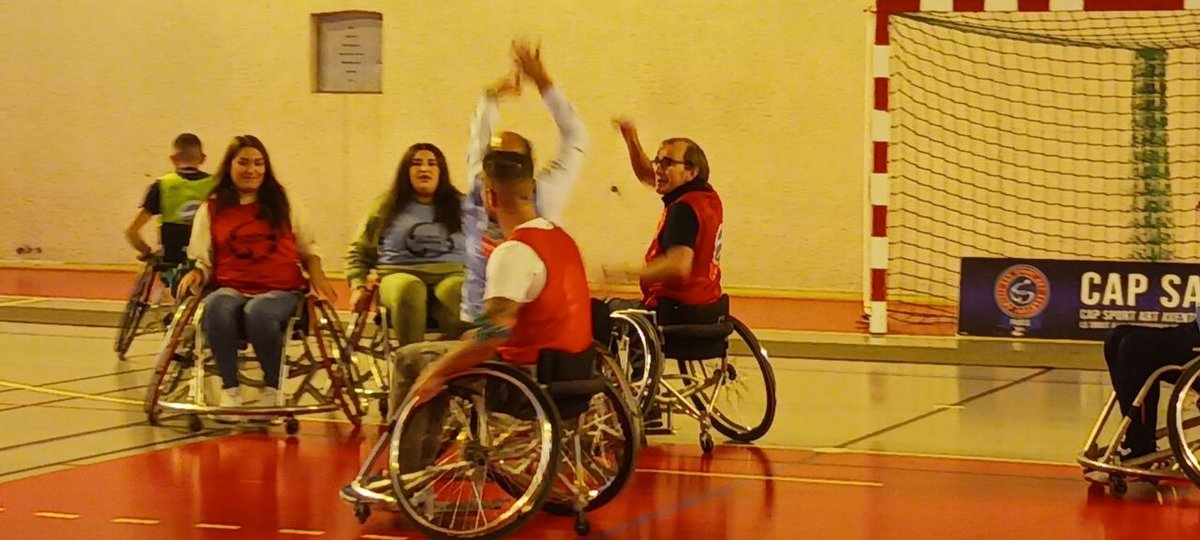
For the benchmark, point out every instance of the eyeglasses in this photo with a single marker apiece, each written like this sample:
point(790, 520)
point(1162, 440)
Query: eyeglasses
point(667, 163)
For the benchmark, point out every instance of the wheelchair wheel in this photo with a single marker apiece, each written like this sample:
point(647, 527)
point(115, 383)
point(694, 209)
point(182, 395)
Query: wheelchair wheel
point(445, 454)
point(135, 309)
point(160, 381)
point(637, 348)
point(335, 352)
point(743, 408)
point(1183, 420)
point(603, 460)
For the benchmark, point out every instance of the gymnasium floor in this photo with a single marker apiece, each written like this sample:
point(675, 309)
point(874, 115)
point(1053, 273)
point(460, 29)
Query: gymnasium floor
point(858, 450)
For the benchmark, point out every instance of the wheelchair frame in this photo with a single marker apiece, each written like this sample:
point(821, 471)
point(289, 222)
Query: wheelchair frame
point(140, 303)
point(561, 442)
point(165, 394)
point(377, 350)
point(1178, 463)
point(653, 387)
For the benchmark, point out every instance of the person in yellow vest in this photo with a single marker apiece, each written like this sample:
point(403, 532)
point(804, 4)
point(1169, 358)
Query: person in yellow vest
point(174, 197)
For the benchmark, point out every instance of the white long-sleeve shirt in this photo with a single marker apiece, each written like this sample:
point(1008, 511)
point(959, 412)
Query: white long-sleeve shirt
point(554, 185)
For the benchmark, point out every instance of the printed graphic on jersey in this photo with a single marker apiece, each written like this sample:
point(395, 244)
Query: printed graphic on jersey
point(187, 210)
point(428, 240)
point(253, 240)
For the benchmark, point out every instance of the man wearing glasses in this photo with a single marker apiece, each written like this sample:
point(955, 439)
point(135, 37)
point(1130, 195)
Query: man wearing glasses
point(683, 261)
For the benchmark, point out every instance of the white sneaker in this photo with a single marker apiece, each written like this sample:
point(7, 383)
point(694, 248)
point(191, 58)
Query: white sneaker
point(230, 397)
point(268, 397)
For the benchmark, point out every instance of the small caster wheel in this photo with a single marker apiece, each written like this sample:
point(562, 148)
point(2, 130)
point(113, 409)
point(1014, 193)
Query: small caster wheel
point(706, 443)
point(582, 526)
point(383, 408)
point(152, 418)
point(195, 424)
point(1117, 486)
point(291, 426)
point(362, 512)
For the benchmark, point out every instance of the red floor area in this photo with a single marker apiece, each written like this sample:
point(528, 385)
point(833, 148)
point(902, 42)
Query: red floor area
point(264, 483)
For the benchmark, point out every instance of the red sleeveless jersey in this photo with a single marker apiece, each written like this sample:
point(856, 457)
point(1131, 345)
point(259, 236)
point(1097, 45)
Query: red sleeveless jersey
point(251, 257)
point(560, 318)
point(703, 285)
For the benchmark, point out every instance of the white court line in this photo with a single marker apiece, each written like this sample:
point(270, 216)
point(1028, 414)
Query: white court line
point(218, 526)
point(793, 479)
point(301, 532)
point(136, 521)
point(56, 515)
point(382, 537)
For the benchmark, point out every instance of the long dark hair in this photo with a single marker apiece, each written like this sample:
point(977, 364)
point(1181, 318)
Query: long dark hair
point(447, 200)
point(272, 199)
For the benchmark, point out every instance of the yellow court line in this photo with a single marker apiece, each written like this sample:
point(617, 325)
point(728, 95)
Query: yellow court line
point(793, 479)
point(56, 515)
point(218, 526)
point(929, 456)
point(136, 521)
point(23, 302)
point(68, 393)
point(301, 532)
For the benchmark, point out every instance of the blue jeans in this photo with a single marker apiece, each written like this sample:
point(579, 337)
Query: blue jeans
point(263, 317)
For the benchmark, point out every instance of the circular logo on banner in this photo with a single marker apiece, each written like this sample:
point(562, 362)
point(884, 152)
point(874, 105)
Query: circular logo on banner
point(1022, 291)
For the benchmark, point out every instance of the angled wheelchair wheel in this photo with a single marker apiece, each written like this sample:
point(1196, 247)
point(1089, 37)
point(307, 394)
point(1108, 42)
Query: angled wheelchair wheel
point(135, 310)
point(635, 344)
point(335, 351)
point(445, 455)
point(166, 375)
point(740, 387)
point(1183, 420)
point(599, 451)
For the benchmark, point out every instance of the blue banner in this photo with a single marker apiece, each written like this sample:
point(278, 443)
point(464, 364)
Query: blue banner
point(1037, 298)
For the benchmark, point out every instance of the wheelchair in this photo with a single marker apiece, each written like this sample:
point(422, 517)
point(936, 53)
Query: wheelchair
point(501, 442)
point(714, 383)
point(143, 301)
point(314, 376)
point(1180, 435)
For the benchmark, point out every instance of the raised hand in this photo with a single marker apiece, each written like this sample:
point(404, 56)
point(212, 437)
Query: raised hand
point(507, 86)
point(529, 61)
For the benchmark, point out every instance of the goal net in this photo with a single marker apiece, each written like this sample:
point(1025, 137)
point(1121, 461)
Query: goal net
point(1052, 135)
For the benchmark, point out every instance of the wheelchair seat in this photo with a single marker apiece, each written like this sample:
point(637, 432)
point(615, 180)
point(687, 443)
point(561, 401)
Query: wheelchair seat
point(695, 332)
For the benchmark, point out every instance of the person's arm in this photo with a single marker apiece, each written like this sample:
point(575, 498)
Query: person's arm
point(558, 178)
point(643, 169)
point(199, 251)
point(151, 206)
point(500, 315)
point(363, 253)
point(310, 255)
point(134, 236)
point(515, 277)
point(487, 113)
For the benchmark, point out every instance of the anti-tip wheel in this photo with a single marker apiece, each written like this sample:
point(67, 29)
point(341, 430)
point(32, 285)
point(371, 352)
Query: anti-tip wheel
point(195, 424)
point(1117, 486)
point(362, 512)
point(292, 426)
point(582, 526)
point(706, 443)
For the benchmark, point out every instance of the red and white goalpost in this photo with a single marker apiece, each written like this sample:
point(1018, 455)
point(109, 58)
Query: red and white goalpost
point(1023, 128)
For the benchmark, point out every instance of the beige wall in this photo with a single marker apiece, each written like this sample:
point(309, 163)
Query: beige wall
point(774, 90)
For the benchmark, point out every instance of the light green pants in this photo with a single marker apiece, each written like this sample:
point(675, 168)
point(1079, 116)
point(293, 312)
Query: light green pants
point(404, 291)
